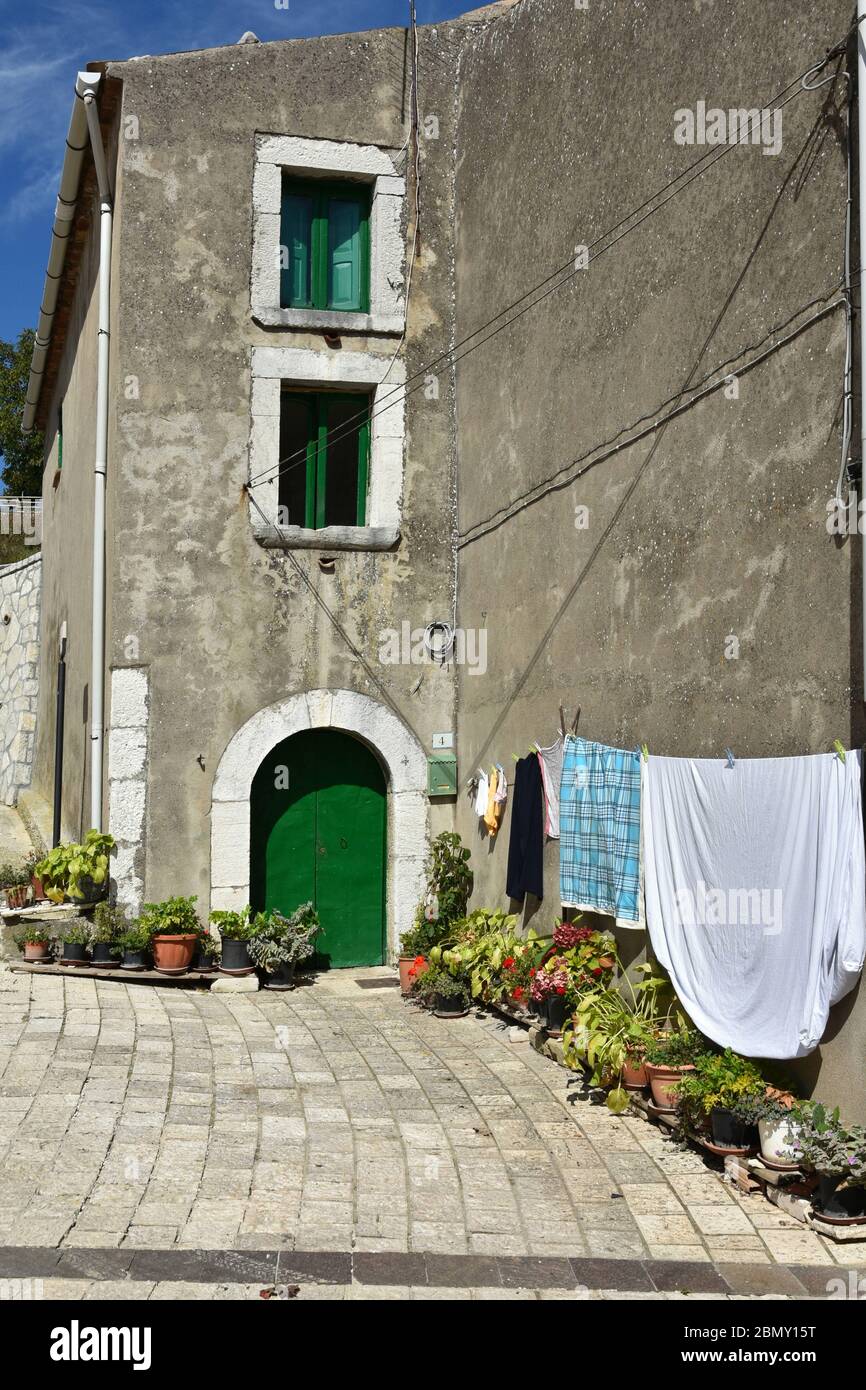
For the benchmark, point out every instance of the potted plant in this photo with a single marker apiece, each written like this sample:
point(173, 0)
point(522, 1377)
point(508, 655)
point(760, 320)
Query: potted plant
point(837, 1154)
point(235, 929)
point(413, 947)
point(550, 989)
point(174, 930)
point(279, 944)
point(450, 996)
point(778, 1132)
point(16, 882)
point(35, 881)
point(207, 952)
point(134, 943)
point(724, 1088)
point(77, 873)
point(669, 1056)
point(446, 896)
point(74, 937)
point(34, 941)
point(108, 924)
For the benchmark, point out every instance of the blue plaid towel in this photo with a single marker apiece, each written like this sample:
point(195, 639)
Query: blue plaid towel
point(599, 847)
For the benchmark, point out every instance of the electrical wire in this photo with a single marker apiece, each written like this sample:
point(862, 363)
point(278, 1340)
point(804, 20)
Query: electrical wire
point(706, 160)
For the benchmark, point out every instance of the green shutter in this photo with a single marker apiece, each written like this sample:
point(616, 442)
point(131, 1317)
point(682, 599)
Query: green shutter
point(345, 218)
point(297, 239)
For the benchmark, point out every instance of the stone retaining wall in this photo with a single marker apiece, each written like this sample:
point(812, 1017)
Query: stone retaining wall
point(20, 597)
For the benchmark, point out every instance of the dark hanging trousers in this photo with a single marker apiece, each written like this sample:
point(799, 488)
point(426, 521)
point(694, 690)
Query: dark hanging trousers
point(525, 874)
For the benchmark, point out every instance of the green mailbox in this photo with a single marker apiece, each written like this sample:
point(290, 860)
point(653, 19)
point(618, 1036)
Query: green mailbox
point(442, 774)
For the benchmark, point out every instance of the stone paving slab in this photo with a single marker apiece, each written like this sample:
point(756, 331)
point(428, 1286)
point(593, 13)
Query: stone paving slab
point(326, 1132)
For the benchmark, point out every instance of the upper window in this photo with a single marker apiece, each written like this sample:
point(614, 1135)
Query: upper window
point(324, 453)
point(325, 246)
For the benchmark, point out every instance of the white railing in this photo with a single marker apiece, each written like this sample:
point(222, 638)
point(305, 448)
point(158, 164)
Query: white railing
point(21, 516)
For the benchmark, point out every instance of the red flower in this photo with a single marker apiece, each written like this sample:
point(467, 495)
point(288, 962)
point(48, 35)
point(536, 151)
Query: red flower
point(508, 962)
point(597, 970)
point(518, 993)
point(560, 989)
point(532, 972)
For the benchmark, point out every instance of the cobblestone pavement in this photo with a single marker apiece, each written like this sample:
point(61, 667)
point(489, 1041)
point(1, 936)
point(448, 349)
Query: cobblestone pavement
point(138, 1121)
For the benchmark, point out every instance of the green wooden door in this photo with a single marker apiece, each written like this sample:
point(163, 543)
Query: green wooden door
point(317, 833)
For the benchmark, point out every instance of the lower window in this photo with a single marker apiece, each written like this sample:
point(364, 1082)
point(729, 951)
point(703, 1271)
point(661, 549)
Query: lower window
point(324, 456)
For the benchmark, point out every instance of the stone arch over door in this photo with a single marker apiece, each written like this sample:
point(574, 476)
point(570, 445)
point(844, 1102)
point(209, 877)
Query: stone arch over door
point(405, 767)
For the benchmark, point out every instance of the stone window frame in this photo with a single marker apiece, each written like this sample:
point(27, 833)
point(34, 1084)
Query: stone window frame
point(370, 164)
point(383, 376)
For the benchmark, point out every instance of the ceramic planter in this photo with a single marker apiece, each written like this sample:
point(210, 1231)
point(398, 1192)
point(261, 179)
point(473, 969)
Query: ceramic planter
point(202, 962)
point(404, 965)
point(101, 954)
point(172, 954)
point(556, 1014)
point(663, 1083)
point(37, 950)
point(236, 958)
point(74, 951)
point(774, 1143)
point(845, 1206)
point(634, 1075)
point(133, 960)
point(281, 978)
point(449, 1006)
point(730, 1132)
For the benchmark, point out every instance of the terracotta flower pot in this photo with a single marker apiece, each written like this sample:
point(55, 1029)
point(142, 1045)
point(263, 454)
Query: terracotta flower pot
point(16, 897)
point(634, 1076)
point(38, 890)
point(663, 1083)
point(37, 950)
point(405, 964)
point(172, 955)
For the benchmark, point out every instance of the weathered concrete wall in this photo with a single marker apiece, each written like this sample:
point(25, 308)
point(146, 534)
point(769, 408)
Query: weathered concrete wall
point(713, 527)
point(20, 594)
point(223, 627)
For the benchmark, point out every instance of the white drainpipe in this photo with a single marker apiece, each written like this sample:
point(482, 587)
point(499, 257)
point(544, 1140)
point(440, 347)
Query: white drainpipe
point(97, 640)
point(861, 172)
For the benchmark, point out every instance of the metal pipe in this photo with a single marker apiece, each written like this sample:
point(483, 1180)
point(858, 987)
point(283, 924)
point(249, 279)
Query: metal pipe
point(861, 178)
point(56, 834)
point(97, 641)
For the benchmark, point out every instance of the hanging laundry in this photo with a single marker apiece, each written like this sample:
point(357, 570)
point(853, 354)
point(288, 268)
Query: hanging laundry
point(501, 785)
point(525, 847)
point(599, 808)
point(491, 814)
point(481, 794)
point(550, 761)
point(756, 893)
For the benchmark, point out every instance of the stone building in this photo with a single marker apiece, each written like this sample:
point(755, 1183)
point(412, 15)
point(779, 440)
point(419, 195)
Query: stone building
point(616, 494)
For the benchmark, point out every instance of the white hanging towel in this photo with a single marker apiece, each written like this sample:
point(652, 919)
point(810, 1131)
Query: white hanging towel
point(482, 793)
point(550, 762)
point(755, 880)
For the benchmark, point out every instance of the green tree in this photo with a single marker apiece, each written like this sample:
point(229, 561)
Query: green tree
point(22, 453)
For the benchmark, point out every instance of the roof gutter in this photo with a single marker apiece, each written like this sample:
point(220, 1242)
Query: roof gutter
point(76, 145)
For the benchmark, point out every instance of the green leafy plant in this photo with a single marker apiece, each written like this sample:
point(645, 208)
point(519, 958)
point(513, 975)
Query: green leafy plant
point(208, 945)
point(14, 875)
point(720, 1080)
point(678, 1047)
point(234, 926)
point(449, 883)
point(75, 932)
point(108, 923)
point(478, 948)
point(64, 868)
point(278, 940)
point(136, 938)
point(172, 917)
point(824, 1145)
point(33, 935)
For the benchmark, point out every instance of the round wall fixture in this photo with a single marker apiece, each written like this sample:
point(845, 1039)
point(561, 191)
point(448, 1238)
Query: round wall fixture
point(439, 641)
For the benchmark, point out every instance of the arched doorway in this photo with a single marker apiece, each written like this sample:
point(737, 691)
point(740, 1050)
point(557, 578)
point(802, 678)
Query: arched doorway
point(318, 817)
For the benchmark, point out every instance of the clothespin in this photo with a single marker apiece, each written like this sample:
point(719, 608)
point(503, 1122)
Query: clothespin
point(575, 721)
point(730, 757)
point(562, 720)
point(645, 751)
point(840, 748)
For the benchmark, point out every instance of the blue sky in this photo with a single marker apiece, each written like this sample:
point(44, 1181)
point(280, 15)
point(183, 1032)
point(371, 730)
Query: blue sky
point(43, 45)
